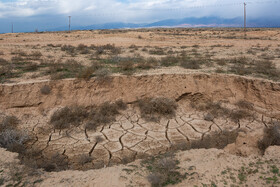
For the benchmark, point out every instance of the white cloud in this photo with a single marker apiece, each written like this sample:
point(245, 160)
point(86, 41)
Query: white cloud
point(131, 10)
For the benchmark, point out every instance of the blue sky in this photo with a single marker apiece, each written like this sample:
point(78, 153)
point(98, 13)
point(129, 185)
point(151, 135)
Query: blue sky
point(44, 14)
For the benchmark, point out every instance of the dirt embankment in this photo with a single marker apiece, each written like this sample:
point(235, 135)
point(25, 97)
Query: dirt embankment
point(263, 94)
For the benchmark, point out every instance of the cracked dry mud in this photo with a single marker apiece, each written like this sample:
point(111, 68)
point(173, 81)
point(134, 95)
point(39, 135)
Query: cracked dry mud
point(131, 137)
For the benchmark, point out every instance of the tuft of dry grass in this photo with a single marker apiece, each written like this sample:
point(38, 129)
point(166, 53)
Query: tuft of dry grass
point(45, 90)
point(67, 116)
point(271, 136)
point(104, 114)
point(163, 170)
point(152, 109)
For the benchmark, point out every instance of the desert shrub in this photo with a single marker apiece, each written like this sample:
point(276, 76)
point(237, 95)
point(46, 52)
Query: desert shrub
point(3, 62)
point(84, 158)
point(271, 136)
point(68, 48)
point(215, 109)
point(9, 122)
point(104, 114)
point(218, 140)
point(35, 55)
point(102, 74)
point(157, 51)
point(121, 105)
point(6, 72)
point(86, 73)
point(17, 59)
point(69, 69)
point(81, 47)
point(56, 162)
point(190, 63)
point(45, 90)
point(19, 53)
point(67, 116)
point(169, 61)
point(237, 115)
point(28, 67)
point(152, 109)
point(10, 137)
point(259, 68)
point(13, 140)
point(147, 63)
point(245, 105)
point(163, 170)
point(126, 66)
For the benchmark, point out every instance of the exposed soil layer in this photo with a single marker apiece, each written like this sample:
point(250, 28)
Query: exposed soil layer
point(131, 137)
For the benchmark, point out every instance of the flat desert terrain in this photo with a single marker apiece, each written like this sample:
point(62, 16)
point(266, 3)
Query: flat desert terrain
point(143, 107)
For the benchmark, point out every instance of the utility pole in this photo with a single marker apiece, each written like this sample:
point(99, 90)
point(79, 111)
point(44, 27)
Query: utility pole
point(69, 23)
point(245, 19)
point(12, 27)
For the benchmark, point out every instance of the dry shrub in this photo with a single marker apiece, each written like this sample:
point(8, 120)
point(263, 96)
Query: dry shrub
point(6, 72)
point(13, 140)
point(19, 53)
point(152, 109)
point(245, 105)
point(259, 68)
point(10, 137)
point(9, 122)
point(218, 140)
point(56, 162)
point(86, 73)
point(147, 64)
point(84, 159)
point(163, 170)
point(45, 90)
point(126, 65)
point(3, 62)
point(68, 48)
point(215, 109)
point(170, 61)
point(271, 136)
point(157, 51)
point(190, 64)
point(69, 69)
point(103, 74)
point(67, 116)
point(35, 55)
point(104, 114)
point(236, 116)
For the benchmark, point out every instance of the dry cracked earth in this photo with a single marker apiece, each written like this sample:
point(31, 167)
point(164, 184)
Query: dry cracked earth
point(130, 137)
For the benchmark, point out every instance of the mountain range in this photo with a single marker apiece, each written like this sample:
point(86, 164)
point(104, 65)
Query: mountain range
point(185, 22)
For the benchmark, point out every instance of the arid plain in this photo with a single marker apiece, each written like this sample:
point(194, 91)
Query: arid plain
point(144, 107)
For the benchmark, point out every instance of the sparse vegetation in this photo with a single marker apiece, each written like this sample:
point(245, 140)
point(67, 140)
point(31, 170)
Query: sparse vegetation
point(271, 136)
point(152, 109)
point(11, 137)
point(68, 116)
point(216, 110)
point(104, 114)
point(45, 90)
point(163, 170)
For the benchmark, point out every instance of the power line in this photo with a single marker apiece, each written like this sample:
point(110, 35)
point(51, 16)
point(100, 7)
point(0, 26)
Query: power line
point(69, 23)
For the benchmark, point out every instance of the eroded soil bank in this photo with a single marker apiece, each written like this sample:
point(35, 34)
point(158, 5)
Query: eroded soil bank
point(264, 94)
point(130, 137)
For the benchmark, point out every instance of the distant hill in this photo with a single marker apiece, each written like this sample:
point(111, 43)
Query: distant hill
point(22, 26)
point(184, 22)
